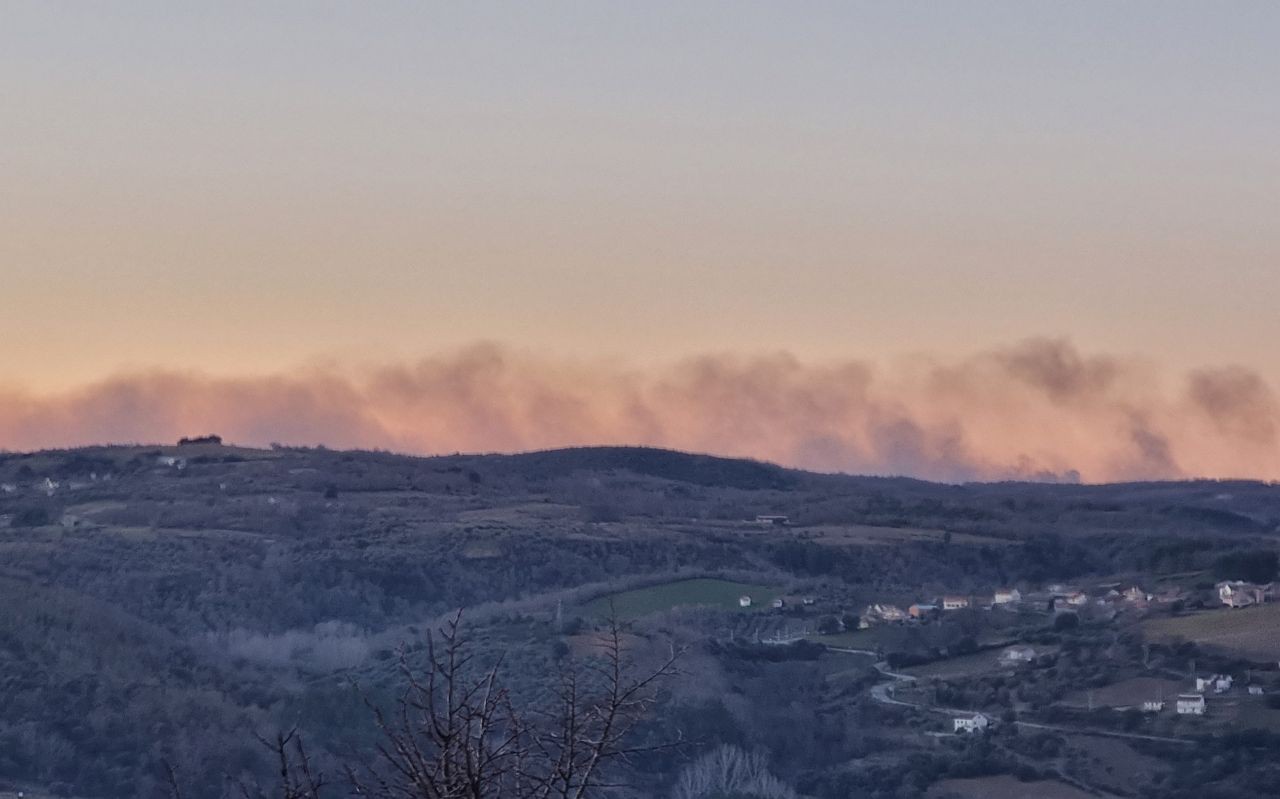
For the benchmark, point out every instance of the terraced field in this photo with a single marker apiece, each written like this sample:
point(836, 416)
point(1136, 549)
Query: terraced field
point(721, 594)
point(1252, 632)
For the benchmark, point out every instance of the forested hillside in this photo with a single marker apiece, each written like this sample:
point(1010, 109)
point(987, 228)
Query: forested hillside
point(161, 605)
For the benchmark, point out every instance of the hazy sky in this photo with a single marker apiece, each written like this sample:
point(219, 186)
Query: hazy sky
point(245, 188)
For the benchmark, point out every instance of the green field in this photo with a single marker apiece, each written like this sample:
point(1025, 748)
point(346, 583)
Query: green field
point(1253, 632)
point(721, 594)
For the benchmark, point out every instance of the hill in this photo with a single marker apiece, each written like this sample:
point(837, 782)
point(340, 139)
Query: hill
point(162, 603)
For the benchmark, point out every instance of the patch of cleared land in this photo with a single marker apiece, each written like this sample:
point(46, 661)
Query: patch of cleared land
point(1129, 693)
point(1004, 787)
point(708, 592)
point(1253, 632)
point(847, 534)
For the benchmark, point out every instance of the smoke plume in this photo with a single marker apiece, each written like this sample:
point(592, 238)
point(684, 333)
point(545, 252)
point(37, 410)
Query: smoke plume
point(1037, 410)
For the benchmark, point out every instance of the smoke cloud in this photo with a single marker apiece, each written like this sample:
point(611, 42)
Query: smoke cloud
point(1037, 410)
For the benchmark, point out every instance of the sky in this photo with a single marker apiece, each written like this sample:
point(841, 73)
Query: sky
point(902, 225)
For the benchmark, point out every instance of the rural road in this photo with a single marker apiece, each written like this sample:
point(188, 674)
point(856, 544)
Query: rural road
point(883, 693)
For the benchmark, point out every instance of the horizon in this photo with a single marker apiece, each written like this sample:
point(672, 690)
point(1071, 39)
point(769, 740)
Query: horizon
point(994, 241)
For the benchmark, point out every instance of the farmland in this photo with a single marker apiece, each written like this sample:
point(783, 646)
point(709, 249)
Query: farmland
point(1003, 787)
point(721, 594)
point(1251, 632)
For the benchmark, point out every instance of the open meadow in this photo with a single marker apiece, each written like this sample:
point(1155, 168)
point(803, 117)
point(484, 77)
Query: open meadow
point(1250, 632)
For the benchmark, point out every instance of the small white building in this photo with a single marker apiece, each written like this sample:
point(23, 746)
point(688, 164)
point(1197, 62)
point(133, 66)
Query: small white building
point(1218, 683)
point(779, 603)
point(1135, 594)
point(744, 601)
point(1018, 654)
point(1191, 705)
point(1255, 690)
point(1007, 596)
point(970, 724)
point(1152, 706)
point(955, 602)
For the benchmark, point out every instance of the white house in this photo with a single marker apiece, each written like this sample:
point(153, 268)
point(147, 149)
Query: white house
point(1191, 705)
point(1018, 654)
point(885, 613)
point(1218, 683)
point(955, 602)
point(744, 601)
point(1135, 594)
point(1006, 596)
point(1239, 594)
point(779, 603)
point(1152, 706)
point(968, 724)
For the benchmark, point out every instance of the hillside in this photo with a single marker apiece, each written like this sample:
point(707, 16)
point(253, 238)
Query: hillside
point(162, 603)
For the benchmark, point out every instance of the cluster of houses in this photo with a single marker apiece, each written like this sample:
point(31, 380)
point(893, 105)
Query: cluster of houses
point(1058, 598)
point(1194, 703)
point(1239, 594)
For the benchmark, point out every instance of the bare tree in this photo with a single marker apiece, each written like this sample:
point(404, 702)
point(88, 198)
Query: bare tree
point(296, 776)
point(458, 735)
point(729, 771)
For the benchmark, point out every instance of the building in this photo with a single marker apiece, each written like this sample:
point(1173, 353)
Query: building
point(779, 603)
point(1218, 683)
point(1007, 596)
point(1239, 594)
point(922, 611)
point(744, 601)
point(1018, 654)
point(781, 521)
point(955, 602)
point(1255, 690)
point(1152, 706)
point(1135, 594)
point(970, 724)
point(1076, 599)
point(888, 613)
point(1191, 705)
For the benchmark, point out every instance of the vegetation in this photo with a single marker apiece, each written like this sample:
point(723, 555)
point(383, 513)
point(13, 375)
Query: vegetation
point(160, 617)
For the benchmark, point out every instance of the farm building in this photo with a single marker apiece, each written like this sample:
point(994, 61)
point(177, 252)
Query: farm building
point(1239, 594)
point(779, 603)
point(1218, 683)
point(780, 521)
point(1018, 654)
point(922, 611)
point(955, 602)
point(884, 613)
point(1191, 705)
point(969, 724)
point(1007, 596)
point(744, 601)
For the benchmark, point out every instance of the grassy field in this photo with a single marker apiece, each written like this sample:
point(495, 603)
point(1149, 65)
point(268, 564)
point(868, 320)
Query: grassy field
point(1003, 787)
point(721, 594)
point(1252, 632)
point(1128, 693)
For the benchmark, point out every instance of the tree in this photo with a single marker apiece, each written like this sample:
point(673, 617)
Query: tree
point(1255, 566)
point(729, 771)
point(456, 732)
point(457, 735)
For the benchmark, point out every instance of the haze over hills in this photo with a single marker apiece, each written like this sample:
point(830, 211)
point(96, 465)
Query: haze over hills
point(163, 603)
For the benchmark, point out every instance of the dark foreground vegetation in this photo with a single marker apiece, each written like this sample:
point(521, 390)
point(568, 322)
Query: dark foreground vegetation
point(167, 611)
